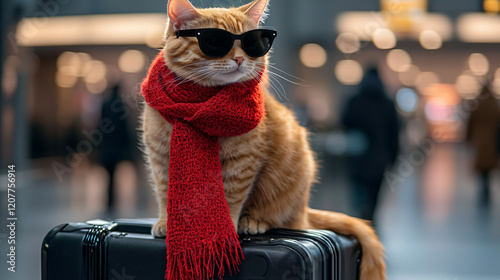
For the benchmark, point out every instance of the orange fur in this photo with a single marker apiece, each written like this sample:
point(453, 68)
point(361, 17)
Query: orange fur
point(267, 172)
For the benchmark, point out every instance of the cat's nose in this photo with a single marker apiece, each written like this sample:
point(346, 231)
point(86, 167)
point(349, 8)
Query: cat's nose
point(238, 60)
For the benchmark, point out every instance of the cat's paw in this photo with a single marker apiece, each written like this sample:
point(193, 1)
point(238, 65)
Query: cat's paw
point(160, 229)
point(249, 225)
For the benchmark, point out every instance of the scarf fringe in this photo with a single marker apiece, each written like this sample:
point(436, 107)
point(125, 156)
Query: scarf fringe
point(201, 262)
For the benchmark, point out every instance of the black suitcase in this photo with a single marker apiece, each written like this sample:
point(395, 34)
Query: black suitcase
point(126, 250)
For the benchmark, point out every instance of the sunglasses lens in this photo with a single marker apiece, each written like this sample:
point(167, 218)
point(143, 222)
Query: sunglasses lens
point(215, 43)
point(258, 42)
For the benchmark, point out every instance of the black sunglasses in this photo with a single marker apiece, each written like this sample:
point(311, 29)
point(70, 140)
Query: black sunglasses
point(215, 42)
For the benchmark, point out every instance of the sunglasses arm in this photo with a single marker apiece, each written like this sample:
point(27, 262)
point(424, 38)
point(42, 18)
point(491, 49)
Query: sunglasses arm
point(186, 33)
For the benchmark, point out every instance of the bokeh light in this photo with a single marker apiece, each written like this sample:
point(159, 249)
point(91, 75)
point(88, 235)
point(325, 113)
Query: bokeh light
point(349, 72)
point(430, 39)
point(81, 63)
point(97, 87)
point(496, 83)
point(336, 143)
point(131, 61)
point(70, 66)
point(478, 64)
point(95, 70)
point(384, 38)
point(407, 100)
point(70, 70)
point(478, 28)
point(398, 60)
point(496, 87)
point(442, 100)
point(313, 55)
point(66, 59)
point(425, 79)
point(65, 79)
point(467, 85)
point(437, 111)
point(491, 6)
point(348, 42)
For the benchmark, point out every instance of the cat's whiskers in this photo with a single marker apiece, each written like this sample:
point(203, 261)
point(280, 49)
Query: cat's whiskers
point(203, 75)
point(193, 74)
point(211, 78)
point(285, 73)
point(196, 73)
point(196, 77)
point(194, 65)
point(176, 79)
point(282, 92)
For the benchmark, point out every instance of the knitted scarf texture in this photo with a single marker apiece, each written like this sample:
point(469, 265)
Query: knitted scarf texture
point(201, 238)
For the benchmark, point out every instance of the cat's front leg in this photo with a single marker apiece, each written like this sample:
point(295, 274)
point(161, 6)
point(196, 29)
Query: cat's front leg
point(156, 138)
point(160, 228)
point(235, 196)
point(160, 174)
point(161, 183)
point(239, 175)
point(251, 225)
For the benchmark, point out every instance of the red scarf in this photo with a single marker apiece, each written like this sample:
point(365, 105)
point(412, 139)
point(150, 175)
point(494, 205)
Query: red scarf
point(200, 234)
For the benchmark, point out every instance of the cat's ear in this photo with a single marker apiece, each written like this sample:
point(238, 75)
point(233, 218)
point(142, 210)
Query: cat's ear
point(256, 10)
point(180, 12)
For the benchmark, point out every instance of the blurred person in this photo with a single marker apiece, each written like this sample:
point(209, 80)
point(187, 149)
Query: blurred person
point(482, 133)
point(372, 116)
point(116, 143)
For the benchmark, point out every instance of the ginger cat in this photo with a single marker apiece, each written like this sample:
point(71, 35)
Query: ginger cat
point(267, 172)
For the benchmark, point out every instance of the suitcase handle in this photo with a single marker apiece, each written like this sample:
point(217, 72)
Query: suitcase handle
point(140, 226)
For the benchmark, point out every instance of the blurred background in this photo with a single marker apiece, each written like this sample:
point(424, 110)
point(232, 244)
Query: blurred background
point(388, 85)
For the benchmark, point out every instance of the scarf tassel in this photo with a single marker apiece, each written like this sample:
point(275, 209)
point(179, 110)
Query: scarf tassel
point(202, 261)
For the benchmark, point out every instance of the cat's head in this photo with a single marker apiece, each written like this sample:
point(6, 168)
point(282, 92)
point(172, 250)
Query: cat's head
point(184, 57)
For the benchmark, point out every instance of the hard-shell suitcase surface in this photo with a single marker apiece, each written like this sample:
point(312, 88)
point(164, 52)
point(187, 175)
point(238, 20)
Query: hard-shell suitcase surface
point(125, 250)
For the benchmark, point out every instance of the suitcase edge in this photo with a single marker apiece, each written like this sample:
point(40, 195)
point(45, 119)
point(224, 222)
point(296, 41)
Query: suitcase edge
point(46, 245)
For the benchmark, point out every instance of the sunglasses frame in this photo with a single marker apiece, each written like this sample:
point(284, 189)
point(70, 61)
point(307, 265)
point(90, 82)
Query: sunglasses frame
point(198, 32)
